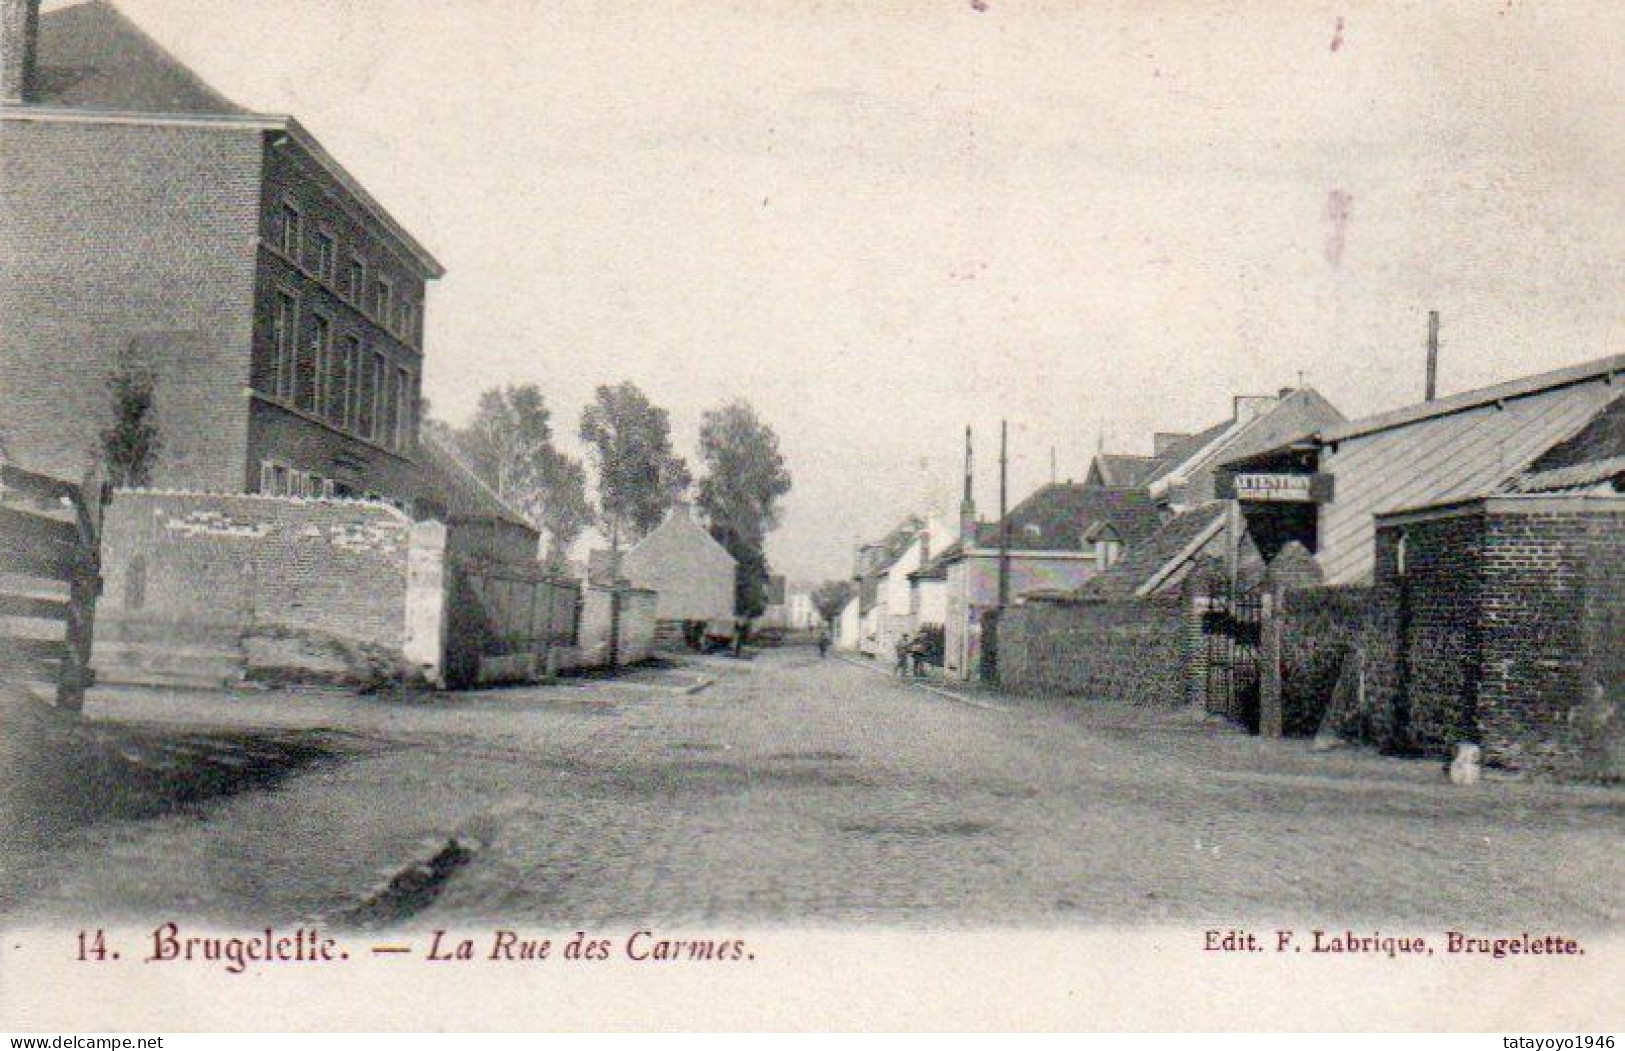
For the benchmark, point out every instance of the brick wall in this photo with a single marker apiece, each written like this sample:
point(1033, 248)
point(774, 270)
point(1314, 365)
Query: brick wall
point(127, 241)
point(1504, 630)
point(1598, 720)
point(1431, 686)
point(1129, 650)
point(330, 438)
point(178, 562)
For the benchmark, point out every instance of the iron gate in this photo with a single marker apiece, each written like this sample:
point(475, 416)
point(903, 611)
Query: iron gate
point(1232, 629)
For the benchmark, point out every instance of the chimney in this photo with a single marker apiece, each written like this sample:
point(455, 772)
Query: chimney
point(967, 504)
point(19, 39)
point(1433, 355)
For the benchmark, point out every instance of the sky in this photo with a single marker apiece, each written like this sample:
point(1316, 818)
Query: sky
point(882, 221)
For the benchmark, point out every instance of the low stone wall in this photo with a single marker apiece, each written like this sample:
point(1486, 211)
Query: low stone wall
point(1118, 649)
point(637, 626)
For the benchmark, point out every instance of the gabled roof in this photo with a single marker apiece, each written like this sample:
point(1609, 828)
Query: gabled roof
point(1056, 516)
point(1061, 516)
point(446, 482)
point(1185, 449)
point(877, 558)
point(95, 66)
point(92, 57)
point(1121, 470)
point(1288, 415)
point(1499, 393)
point(1159, 555)
point(1594, 457)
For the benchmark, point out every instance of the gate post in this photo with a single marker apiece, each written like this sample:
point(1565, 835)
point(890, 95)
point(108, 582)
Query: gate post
point(1270, 721)
point(84, 586)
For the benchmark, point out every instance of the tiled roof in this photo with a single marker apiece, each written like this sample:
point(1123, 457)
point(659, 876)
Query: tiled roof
point(1143, 561)
point(1181, 451)
point(92, 57)
point(1056, 516)
point(448, 484)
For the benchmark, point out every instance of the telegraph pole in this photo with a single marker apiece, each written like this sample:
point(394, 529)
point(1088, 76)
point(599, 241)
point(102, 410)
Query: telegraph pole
point(1004, 516)
point(1433, 355)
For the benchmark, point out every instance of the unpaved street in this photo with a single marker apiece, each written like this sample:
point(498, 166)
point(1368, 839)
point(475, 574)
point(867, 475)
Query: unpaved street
point(795, 790)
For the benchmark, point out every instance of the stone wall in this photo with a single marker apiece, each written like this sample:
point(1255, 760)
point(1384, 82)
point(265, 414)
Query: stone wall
point(637, 626)
point(1129, 650)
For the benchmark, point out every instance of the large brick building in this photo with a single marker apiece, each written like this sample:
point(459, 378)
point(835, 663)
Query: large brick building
point(148, 224)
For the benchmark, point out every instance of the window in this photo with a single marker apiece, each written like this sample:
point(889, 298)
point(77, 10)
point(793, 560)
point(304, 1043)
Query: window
point(367, 398)
point(274, 480)
point(311, 365)
point(292, 231)
point(405, 408)
point(1400, 568)
point(383, 301)
point(355, 281)
point(340, 367)
point(284, 325)
point(389, 407)
point(326, 256)
point(350, 382)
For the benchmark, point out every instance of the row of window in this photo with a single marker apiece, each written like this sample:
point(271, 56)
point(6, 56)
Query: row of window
point(351, 388)
point(280, 479)
point(316, 251)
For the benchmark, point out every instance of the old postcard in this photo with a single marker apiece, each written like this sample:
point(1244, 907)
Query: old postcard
point(907, 515)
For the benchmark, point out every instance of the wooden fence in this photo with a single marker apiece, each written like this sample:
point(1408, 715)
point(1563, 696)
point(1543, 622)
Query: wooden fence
point(50, 575)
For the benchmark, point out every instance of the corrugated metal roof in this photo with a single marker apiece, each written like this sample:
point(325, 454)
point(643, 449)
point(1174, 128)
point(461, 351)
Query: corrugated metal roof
point(1465, 451)
point(1511, 390)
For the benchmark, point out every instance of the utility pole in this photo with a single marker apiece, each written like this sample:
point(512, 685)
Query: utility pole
point(1004, 516)
point(1433, 355)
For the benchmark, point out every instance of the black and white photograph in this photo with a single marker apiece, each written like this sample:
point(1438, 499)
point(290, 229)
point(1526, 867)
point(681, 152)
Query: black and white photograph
point(812, 514)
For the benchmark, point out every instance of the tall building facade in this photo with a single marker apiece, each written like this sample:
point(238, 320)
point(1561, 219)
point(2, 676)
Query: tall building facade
point(150, 227)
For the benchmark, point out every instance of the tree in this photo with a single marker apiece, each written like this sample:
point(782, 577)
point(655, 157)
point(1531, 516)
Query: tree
point(745, 480)
point(639, 477)
point(509, 444)
point(830, 598)
point(130, 444)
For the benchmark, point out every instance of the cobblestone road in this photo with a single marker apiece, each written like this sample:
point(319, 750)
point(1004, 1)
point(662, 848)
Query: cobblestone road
point(804, 791)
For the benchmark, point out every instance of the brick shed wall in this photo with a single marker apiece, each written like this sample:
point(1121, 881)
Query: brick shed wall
point(1515, 637)
point(236, 563)
point(1552, 581)
point(1426, 677)
point(1123, 649)
point(123, 240)
point(1600, 721)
